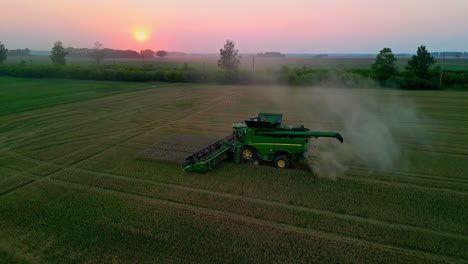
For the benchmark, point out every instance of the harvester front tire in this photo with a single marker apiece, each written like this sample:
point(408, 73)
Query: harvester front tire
point(248, 154)
point(282, 162)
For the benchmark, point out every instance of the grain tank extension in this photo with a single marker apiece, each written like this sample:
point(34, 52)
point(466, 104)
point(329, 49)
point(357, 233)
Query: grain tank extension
point(259, 139)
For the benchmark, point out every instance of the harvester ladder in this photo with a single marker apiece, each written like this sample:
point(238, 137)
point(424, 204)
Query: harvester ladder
point(237, 154)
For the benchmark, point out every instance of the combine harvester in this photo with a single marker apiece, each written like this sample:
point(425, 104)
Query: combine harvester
point(258, 139)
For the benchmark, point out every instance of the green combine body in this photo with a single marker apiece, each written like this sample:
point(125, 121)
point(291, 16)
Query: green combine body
point(258, 139)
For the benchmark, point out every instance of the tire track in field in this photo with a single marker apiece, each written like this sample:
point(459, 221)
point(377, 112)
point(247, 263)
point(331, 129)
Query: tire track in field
point(13, 176)
point(149, 125)
point(278, 204)
point(172, 119)
point(360, 177)
point(87, 105)
point(72, 140)
point(121, 133)
point(440, 184)
point(261, 222)
point(39, 113)
point(71, 124)
point(412, 175)
point(16, 187)
point(45, 114)
point(436, 149)
point(271, 203)
point(421, 174)
point(404, 185)
point(139, 108)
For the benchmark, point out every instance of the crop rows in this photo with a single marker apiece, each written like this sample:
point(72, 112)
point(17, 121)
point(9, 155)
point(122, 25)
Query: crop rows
point(77, 163)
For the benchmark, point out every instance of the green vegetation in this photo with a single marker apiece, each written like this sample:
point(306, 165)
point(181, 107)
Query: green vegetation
point(98, 53)
point(58, 53)
point(296, 76)
point(418, 76)
point(384, 66)
point(127, 73)
point(421, 63)
point(17, 95)
point(71, 190)
point(3, 53)
point(229, 58)
point(161, 53)
point(209, 62)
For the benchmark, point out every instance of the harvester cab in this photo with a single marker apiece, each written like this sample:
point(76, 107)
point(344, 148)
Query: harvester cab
point(239, 131)
point(258, 139)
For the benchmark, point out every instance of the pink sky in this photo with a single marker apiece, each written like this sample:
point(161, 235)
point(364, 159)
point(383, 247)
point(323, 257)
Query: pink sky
point(293, 26)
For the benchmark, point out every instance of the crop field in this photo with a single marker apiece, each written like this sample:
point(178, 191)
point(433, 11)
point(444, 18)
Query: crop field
point(72, 189)
point(176, 148)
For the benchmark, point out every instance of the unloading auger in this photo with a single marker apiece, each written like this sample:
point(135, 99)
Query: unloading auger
point(258, 139)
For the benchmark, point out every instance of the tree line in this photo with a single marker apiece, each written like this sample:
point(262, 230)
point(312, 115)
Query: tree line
point(19, 52)
point(419, 72)
point(97, 53)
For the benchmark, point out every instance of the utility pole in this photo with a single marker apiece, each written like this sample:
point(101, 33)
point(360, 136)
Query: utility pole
point(440, 80)
point(253, 63)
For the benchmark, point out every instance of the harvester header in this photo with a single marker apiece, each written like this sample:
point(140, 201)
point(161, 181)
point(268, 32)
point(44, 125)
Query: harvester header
point(259, 139)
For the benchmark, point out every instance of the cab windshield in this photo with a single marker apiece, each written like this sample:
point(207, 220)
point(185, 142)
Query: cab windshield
point(240, 133)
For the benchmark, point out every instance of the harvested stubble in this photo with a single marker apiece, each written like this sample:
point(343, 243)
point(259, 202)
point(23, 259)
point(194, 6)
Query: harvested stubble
point(176, 147)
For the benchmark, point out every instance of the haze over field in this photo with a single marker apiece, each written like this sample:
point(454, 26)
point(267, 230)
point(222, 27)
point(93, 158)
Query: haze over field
point(138, 131)
point(298, 26)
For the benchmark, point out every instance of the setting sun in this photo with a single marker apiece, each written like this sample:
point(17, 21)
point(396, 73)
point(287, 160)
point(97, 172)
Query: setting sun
point(141, 36)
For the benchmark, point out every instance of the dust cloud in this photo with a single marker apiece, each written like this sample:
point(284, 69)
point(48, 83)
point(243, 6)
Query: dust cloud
point(373, 121)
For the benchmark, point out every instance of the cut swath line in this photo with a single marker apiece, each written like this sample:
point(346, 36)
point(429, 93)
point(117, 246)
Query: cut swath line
point(241, 218)
point(413, 175)
point(405, 185)
point(81, 123)
point(423, 183)
point(183, 114)
point(402, 184)
point(278, 204)
point(16, 187)
point(149, 125)
point(408, 177)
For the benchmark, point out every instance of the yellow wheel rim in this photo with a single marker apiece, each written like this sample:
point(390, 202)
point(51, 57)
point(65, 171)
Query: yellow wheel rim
point(281, 163)
point(247, 154)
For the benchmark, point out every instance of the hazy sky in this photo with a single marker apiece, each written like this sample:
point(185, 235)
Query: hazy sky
point(290, 26)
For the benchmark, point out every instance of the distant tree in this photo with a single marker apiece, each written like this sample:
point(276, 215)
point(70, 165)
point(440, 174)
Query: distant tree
point(229, 58)
point(97, 54)
point(147, 53)
point(384, 65)
point(161, 53)
point(58, 54)
point(19, 52)
point(420, 63)
point(3, 53)
point(270, 54)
